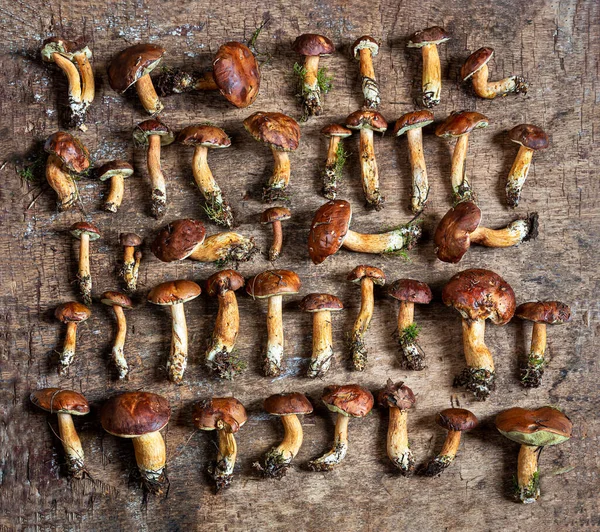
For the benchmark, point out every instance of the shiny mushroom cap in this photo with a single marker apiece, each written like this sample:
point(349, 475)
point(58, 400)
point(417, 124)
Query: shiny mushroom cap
point(133, 414)
point(174, 292)
point(540, 427)
point(413, 120)
point(349, 400)
point(396, 395)
point(153, 126)
point(475, 61)
point(328, 229)
point(130, 240)
point(452, 236)
point(530, 136)
point(276, 129)
point(112, 168)
point(57, 401)
point(273, 283)
point(433, 35)
point(550, 312)
point(220, 413)
point(177, 240)
point(366, 119)
point(224, 281)
point(275, 214)
point(72, 311)
point(456, 419)
point(131, 64)
point(461, 123)
point(320, 302)
point(479, 295)
point(237, 74)
point(84, 228)
point(336, 130)
point(365, 42)
point(204, 135)
point(312, 44)
point(117, 299)
point(57, 45)
point(409, 290)
point(73, 154)
point(286, 404)
point(360, 272)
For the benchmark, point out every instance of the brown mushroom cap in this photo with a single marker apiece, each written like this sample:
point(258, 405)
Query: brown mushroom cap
point(73, 154)
point(396, 395)
point(320, 302)
point(313, 44)
point(130, 239)
point(177, 240)
point(111, 168)
point(72, 311)
point(204, 135)
point(276, 129)
point(132, 414)
point(456, 419)
point(530, 136)
point(550, 312)
point(409, 290)
point(61, 46)
point(224, 281)
point(413, 120)
point(366, 119)
point(220, 413)
point(452, 236)
point(285, 404)
point(349, 400)
point(117, 299)
point(328, 229)
point(336, 130)
point(433, 35)
point(153, 126)
point(57, 401)
point(131, 64)
point(273, 283)
point(461, 123)
point(237, 74)
point(360, 272)
point(275, 214)
point(475, 61)
point(540, 427)
point(85, 228)
point(480, 294)
point(365, 41)
point(174, 292)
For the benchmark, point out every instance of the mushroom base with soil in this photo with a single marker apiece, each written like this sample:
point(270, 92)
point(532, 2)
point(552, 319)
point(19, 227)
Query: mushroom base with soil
point(151, 456)
point(332, 173)
point(225, 247)
point(222, 469)
point(404, 237)
point(217, 209)
point(412, 356)
point(479, 381)
point(527, 483)
point(502, 87)
point(338, 451)
point(531, 375)
point(224, 363)
point(72, 446)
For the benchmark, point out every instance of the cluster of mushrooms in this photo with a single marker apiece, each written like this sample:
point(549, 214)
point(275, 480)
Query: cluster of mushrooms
point(478, 295)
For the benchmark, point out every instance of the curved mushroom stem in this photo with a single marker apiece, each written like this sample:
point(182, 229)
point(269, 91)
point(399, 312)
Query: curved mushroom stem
point(131, 266)
point(115, 196)
point(84, 276)
point(398, 450)
point(358, 350)
point(77, 104)
point(370, 88)
point(405, 237)
point(222, 470)
point(420, 182)
point(407, 333)
point(157, 178)
point(280, 178)
point(61, 182)
point(528, 482)
point(310, 90)
point(518, 175)
point(331, 174)
point(148, 96)
point(72, 445)
point(151, 458)
point(177, 360)
point(513, 234)
point(278, 459)
point(340, 446)
point(277, 243)
point(88, 90)
point(461, 188)
point(224, 247)
point(217, 209)
point(432, 76)
point(322, 353)
point(369, 171)
point(274, 352)
point(68, 352)
point(533, 371)
point(491, 89)
point(118, 354)
point(444, 459)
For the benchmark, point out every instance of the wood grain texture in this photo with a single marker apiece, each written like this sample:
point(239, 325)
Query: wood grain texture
point(555, 44)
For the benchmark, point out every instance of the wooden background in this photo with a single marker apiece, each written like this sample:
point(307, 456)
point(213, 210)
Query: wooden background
point(555, 44)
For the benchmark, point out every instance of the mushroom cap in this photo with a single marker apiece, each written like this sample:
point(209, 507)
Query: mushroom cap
point(313, 44)
point(130, 239)
point(550, 312)
point(530, 136)
point(174, 292)
point(117, 299)
point(275, 214)
point(73, 154)
point(456, 419)
point(237, 74)
point(412, 120)
point(286, 404)
point(452, 236)
point(153, 126)
point(72, 311)
point(396, 395)
point(320, 302)
point(371, 272)
point(133, 414)
point(204, 135)
point(475, 61)
point(479, 295)
point(366, 119)
point(349, 400)
point(540, 427)
point(365, 41)
point(273, 283)
point(336, 130)
point(220, 413)
point(328, 229)
point(224, 281)
point(64, 47)
point(276, 129)
point(409, 290)
point(461, 123)
point(85, 228)
point(111, 168)
point(433, 35)
point(131, 64)
point(58, 401)
point(177, 240)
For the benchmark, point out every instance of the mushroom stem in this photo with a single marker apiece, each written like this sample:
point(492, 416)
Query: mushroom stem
point(151, 458)
point(311, 91)
point(403, 237)
point(84, 277)
point(331, 177)
point(87, 78)
point(277, 243)
point(274, 353)
point(205, 82)
point(177, 361)
point(222, 471)
point(398, 450)
point(446, 456)
point(528, 484)
point(363, 320)
point(370, 88)
point(491, 89)
point(511, 235)
point(479, 375)
point(118, 355)
point(148, 96)
point(115, 196)
point(412, 355)
point(420, 183)
point(228, 246)
point(461, 188)
point(518, 175)
point(432, 76)
point(531, 374)
point(136, 270)
point(338, 451)
point(219, 353)
point(157, 178)
point(280, 177)
point(277, 460)
point(61, 182)
point(369, 171)
point(68, 352)
point(129, 271)
point(73, 77)
point(322, 353)
point(71, 444)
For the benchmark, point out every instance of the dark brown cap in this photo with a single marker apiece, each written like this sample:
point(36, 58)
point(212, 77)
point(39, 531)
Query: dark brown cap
point(413, 120)
point(320, 302)
point(336, 130)
point(72, 311)
point(365, 41)
point(456, 419)
point(452, 236)
point(237, 74)
point(396, 396)
point(131, 64)
point(479, 295)
point(117, 299)
point(433, 35)
point(132, 414)
point(85, 228)
point(111, 168)
point(285, 404)
point(349, 400)
point(550, 312)
point(360, 272)
point(174, 292)
point(177, 240)
point(275, 214)
point(539, 427)
point(313, 44)
point(273, 283)
point(461, 123)
point(130, 239)
point(328, 229)
point(475, 61)
point(224, 281)
point(153, 126)
point(73, 154)
point(220, 413)
point(366, 119)
point(409, 290)
point(64, 47)
point(530, 136)
point(276, 129)
point(204, 135)
point(57, 401)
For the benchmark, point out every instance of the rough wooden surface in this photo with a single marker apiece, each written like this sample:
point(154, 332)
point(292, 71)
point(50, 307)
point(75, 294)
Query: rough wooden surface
point(555, 44)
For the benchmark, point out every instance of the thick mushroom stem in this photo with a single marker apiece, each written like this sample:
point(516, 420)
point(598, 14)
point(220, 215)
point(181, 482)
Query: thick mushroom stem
point(370, 88)
point(228, 246)
point(532, 372)
point(432, 76)
point(118, 354)
point(148, 96)
point(412, 354)
point(280, 178)
point(73, 78)
point(157, 178)
point(277, 460)
point(518, 175)
point(398, 450)
point(461, 188)
point(338, 451)
point(311, 91)
point(420, 182)
point(61, 182)
point(130, 268)
point(490, 90)
point(87, 77)
point(358, 349)
point(528, 483)
point(402, 238)
point(115, 196)
point(331, 174)
point(177, 361)
point(322, 353)
point(274, 352)
point(68, 351)
point(219, 353)
point(151, 458)
point(369, 171)
point(72, 445)
point(512, 235)
point(222, 471)
point(446, 456)
point(84, 277)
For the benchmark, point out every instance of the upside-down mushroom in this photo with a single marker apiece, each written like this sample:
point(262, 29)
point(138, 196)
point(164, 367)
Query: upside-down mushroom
point(336, 157)
point(119, 303)
point(364, 49)
point(131, 259)
point(274, 216)
point(85, 232)
point(71, 313)
point(117, 172)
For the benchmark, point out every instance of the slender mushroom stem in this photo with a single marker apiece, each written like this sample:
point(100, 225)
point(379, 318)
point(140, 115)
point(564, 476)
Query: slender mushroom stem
point(370, 88)
point(398, 449)
point(513, 234)
point(74, 79)
point(177, 361)
point(369, 171)
point(331, 174)
point(518, 175)
point(528, 483)
point(118, 354)
point(274, 353)
point(148, 96)
point(446, 456)
point(71, 444)
point(432, 75)
point(115, 196)
point(222, 471)
point(461, 188)
point(157, 178)
point(228, 246)
point(280, 178)
point(128, 271)
point(311, 91)
point(322, 353)
point(412, 354)
point(84, 277)
point(277, 243)
point(87, 77)
point(61, 182)
point(338, 451)
point(219, 353)
point(363, 320)
point(68, 352)
point(491, 89)
point(151, 458)
point(531, 374)
point(402, 238)
point(420, 183)
point(277, 460)
point(136, 269)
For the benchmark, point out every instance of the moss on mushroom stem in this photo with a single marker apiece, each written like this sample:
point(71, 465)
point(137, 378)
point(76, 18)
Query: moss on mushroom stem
point(518, 175)
point(527, 489)
point(277, 460)
point(413, 357)
point(404, 237)
point(61, 182)
point(339, 449)
point(72, 446)
point(222, 469)
point(432, 76)
point(332, 174)
point(491, 89)
point(151, 457)
point(312, 80)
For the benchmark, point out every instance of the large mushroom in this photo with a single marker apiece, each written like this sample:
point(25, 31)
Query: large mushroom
point(336, 158)
point(117, 171)
point(85, 232)
point(119, 303)
point(479, 295)
point(131, 259)
point(364, 49)
point(273, 285)
point(330, 231)
point(71, 313)
point(273, 217)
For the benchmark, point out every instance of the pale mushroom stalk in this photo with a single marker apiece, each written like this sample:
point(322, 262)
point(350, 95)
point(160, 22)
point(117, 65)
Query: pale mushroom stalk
point(518, 175)
point(369, 170)
point(71, 444)
point(531, 374)
point(68, 351)
point(479, 375)
point(151, 458)
point(61, 182)
point(516, 232)
point(157, 178)
point(491, 89)
point(148, 96)
point(357, 347)
point(130, 270)
point(280, 178)
point(278, 459)
point(398, 449)
point(461, 187)
point(274, 352)
point(401, 238)
point(338, 451)
point(370, 88)
point(311, 90)
point(135, 272)
point(446, 455)
point(322, 353)
point(84, 277)
point(74, 80)
point(226, 456)
point(87, 75)
point(528, 483)
point(227, 246)
point(432, 75)
point(226, 329)
point(177, 361)
point(118, 354)
point(420, 182)
point(331, 174)
point(115, 196)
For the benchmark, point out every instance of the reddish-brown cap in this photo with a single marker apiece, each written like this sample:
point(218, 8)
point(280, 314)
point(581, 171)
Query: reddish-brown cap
point(313, 44)
point(433, 35)
point(72, 311)
point(117, 299)
point(130, 239)
point(550, 312)
point(336, 130)
point(461, 123)
point(131, 64)
point(349, 400)
point(174, 292)
point(396, 396)
point(237, 74)
point(73, 154)
point(112, 168)
point(85, 228)
point(224, 281)
point(153, 126)
point(273, 283)
point(363, 42)
point(328, 229)
point(275, 214)
point(286, 404)
point(133, 414)
point(409, 290)
point(475, 61)
point(539, 427)
point(530, 136)
point(452, 236)
point(413, 120)
point(276, 129)
point(57, 401)
point(370, 272)
point(177, 240)
point(456, 419)
point(320, 302)
point(220, 413)
point(479, 295)
point(204, 135)
point(366, 119)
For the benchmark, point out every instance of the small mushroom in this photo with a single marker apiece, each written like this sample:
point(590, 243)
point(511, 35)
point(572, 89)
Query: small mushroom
point(346, 401)
point(204, 137)
point(459, 228)
point(321, 306)
point(530, 138)
point(408, 292)
point(274, 216)
point(364, 49)
point(140, 416)
point(119, 303)
point(476, 68)
point(479, 295)
point(131, 259)
point(534, 430)
point(65, 404)
point(154, 134)
point(220, 357)
point(175, 294)
point(282, 134)
point(412, 124)
point(541, 313)
point(287, 406)
point(117, 172)
point(67, 156)
point(226, 415)
point(85, 232)
point(399, 399)
point(330, 231)
point(132, 66)
point(367, 276)
point(273, 285)
point(428, 40)
point(71, 313)
point(336, 158)
point(455, 421)
point(367, 122)
point(313, 80)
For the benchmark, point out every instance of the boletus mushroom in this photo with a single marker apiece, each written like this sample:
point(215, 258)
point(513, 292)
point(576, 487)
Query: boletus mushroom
point(85, 232)
point(65, 404)
point(330, 231)
point(346, 401)
point(71, 313)
point(119, 303)
point(364, 49)
point(479, 295)
point(117, 172)
point(274, 216)
point(287, 406)
point(534, 430)
point(140, 416)
point(131, 259)
point(336, 158)
point(273, 285)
